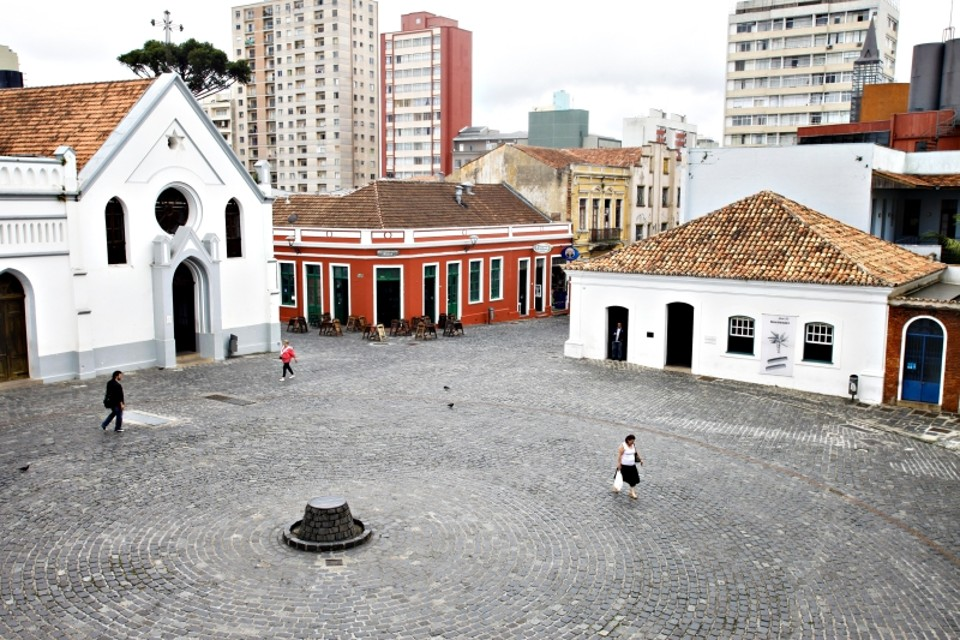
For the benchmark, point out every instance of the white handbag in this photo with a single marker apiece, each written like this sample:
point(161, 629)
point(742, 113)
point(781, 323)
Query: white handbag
point(617, 481)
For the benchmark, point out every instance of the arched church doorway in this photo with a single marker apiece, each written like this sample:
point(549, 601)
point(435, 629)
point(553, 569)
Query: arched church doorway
point(184, 309)
point(13, 330)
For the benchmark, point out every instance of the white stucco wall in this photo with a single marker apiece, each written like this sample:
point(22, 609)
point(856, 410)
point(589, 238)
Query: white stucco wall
point(858, 315)
point(832, 179)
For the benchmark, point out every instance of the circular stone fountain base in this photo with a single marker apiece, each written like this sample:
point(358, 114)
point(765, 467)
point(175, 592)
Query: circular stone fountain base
point(327, 525)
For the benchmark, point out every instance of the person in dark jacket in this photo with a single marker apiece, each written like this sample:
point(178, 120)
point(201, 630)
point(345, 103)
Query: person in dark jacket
point(113, 400)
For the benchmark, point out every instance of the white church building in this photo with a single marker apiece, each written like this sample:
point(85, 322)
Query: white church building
point(130, 235)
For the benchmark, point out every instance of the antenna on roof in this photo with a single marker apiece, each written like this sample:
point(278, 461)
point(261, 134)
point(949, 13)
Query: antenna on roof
point(167, 26)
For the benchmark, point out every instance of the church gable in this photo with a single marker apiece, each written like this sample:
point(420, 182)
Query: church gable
point(175, 146)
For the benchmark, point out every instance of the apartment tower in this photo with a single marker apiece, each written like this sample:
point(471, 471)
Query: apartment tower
point(427, 94)
point(311, 108)
point(791, 64)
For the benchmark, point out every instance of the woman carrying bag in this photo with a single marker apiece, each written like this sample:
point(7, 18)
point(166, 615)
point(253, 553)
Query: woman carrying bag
point(627, 460)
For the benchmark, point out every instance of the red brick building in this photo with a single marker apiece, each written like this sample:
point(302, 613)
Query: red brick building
point(923, 348)
point(398, 249)
point(426, 94)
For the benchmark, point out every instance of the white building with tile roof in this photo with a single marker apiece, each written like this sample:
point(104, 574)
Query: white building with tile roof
point(130, 235)
point(764, 290)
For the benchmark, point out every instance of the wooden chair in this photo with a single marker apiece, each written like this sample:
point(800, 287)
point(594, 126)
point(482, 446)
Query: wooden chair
point(326, 327)
point(394, 327)
point(336, 330)
point(352, 323)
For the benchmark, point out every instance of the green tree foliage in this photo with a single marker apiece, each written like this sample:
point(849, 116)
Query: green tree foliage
point(204, 68)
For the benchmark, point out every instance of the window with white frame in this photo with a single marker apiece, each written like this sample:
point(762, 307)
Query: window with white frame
point(288, 285)
point(496, 278)
point(740, 335)
point(476, 281)
point(818, 342)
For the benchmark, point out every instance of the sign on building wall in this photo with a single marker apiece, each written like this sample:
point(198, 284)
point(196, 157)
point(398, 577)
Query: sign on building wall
point(777, 345)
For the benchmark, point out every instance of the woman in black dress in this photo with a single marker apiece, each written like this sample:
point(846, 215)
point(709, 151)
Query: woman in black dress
point(627, 460)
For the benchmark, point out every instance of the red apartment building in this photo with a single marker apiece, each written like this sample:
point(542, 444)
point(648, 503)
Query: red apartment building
point(397, 249)
point(426, 91)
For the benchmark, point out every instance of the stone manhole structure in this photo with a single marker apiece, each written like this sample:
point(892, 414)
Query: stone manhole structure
point(327, 525)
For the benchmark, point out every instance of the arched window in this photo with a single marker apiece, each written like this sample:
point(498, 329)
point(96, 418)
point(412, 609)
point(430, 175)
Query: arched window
point(116, 233)
point(232, 218)
point(818, 342)
point(740, 334)
point(172, 210)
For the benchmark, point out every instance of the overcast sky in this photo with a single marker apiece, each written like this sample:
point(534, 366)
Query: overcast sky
point(618, 59)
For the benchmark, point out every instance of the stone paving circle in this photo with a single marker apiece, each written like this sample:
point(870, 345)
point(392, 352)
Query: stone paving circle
point(482, 464)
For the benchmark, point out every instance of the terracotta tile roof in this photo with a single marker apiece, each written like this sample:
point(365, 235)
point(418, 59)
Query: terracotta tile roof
point(933, 181)
point(767, 237)
point(560, 158)
point(401, 204)
point(38, 120)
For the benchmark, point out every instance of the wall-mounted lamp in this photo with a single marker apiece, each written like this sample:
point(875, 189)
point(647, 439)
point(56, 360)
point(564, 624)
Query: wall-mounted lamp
point(290, 241)
point(472, 243)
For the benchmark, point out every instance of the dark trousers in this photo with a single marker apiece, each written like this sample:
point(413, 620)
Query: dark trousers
point(616, 350)
point(286, 367)
point(115, 412)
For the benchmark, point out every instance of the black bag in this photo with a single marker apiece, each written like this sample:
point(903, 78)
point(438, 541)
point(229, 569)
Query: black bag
point(107, 403)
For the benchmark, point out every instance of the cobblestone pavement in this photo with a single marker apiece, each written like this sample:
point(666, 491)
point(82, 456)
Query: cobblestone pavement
point(762, 513)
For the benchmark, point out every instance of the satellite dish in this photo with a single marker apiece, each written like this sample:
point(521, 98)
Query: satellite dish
point(292, 218)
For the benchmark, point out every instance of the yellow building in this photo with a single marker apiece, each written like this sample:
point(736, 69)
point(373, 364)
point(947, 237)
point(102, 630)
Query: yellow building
point(610, 196)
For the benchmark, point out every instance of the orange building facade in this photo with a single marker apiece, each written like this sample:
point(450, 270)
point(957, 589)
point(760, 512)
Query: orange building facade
point(398, 250)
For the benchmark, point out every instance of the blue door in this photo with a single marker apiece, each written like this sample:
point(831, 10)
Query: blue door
point(923, 362)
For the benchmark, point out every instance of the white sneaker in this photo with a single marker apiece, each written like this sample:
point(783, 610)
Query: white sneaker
point(282, 379)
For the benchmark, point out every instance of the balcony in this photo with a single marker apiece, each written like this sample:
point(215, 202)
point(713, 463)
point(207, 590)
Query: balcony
point(605, 235)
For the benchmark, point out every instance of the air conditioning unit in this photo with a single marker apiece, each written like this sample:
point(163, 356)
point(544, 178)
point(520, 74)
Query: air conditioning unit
point(829, 47)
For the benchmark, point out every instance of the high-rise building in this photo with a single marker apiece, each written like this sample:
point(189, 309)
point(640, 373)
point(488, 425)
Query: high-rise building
point(790, 64)
point(659, 126)
point(311, 107)
point(426, 95)
point(10, 75)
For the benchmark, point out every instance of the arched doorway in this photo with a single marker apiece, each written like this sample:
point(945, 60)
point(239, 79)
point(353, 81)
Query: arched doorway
point(13, 330)
point(679, 335)
point(184, 310)
point(922, 364)
point(617, 315)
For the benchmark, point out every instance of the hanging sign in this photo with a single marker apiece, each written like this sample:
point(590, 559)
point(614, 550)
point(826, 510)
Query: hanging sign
point(777, 345)
point(570, 253)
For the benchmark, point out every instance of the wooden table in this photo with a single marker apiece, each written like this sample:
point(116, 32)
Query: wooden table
point(298, 324)
point(453, 327)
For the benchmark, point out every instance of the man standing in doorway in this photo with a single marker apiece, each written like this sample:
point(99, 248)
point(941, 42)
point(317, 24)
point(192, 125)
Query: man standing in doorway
point(616, 347)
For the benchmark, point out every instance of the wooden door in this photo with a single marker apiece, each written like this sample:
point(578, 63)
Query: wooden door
point(13, 330)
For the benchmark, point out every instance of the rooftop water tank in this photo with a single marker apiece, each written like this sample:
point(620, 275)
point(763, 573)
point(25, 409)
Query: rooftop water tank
point(925, 77)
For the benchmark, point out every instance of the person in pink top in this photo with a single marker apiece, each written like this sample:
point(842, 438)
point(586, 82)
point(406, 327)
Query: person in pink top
point(286, 355)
